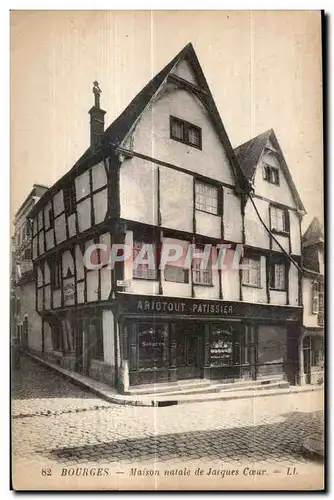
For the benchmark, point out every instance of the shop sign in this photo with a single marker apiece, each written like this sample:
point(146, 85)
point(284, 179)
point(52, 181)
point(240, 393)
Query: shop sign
point(173, 306)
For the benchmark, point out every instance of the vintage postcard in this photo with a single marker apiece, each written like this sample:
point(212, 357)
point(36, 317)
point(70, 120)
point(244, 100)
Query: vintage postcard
point(167, 286)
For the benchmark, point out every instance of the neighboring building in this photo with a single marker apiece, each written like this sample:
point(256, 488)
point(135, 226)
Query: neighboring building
point(164, 172)
point(26, 322)
point(275, 253)
point(312, 338)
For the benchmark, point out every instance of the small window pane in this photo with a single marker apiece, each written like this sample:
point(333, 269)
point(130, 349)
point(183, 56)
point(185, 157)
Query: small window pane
point(177, 129)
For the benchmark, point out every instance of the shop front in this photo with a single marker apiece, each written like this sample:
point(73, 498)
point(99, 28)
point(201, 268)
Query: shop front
point(171, 339)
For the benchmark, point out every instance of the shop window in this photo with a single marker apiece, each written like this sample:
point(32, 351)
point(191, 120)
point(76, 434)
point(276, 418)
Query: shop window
point(152, 346)
point(202, 268)
point(206, 198)
point(251, 275)
point(176, 274)
point(277, 274)
point(185, 132)
point(95, 333)
point(145, 260)
point(317, 344)
point(279, 220)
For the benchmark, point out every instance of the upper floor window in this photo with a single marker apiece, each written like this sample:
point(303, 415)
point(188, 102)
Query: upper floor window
point(206, 198)
point(202, 268)
point(315, 298)
point(51, 220)
point(271, 174)
point(69, 198)
point(277, 274)
point(185, 132)
point(144, 261)
point(279, 219)
point(177, 274)
point(251, 275)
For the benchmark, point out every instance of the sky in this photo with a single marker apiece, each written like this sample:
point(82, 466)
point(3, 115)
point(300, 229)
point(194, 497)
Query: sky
point(263, 68)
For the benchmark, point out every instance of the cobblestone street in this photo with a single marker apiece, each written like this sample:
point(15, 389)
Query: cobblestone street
point(57, 423)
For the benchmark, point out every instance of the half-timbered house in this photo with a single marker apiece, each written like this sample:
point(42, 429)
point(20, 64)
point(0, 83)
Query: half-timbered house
point(165, 173)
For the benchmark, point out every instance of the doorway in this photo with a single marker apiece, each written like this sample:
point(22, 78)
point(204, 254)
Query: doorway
point(189, 349)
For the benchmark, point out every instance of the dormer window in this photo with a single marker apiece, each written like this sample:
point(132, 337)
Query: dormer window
point(185, 132)
point(271, 174)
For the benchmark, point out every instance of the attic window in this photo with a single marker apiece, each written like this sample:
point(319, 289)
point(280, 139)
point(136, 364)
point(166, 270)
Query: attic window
point(271, 174)
point(185, 132)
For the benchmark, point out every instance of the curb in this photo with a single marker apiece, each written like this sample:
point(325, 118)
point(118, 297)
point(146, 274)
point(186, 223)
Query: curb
point(125, 401)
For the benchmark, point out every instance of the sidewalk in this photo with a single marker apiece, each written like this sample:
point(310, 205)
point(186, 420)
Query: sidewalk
point(109, 394)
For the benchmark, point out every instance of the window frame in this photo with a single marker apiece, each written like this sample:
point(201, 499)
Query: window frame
point(202, 272)
point(254, 258)
point(56, 273)
point(285, 219)
point(268, 170)
point(185, 271)
point(186, 126)
point(275, 261)
point(197, 194)
point(135, 273)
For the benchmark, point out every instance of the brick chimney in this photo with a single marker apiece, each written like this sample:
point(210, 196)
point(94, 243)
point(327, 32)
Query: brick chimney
point(96, 117)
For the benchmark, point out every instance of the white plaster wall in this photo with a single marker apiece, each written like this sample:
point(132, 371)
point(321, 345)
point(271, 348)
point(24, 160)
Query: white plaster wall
point(278, 297)
point(171, 289)
point(139, 191)
point(293, 285)
point(105, 283)
point(152, 135)
point(144, 287)
point(92, 285)
point(28, 308)
point(309, 320)
point(58, 203)
point(67, 263)
point(82, 187)
point(79, 263)
point(48, 347)
point(280, 193)
point(50, 243)
point(71, 225)
point(100, 202)
point(253, 294)
point(84, 214)
point(208, 224)
point(295, 233)
point(47, 292)
point(284, 242)
point(56, 298)
point(176, 197)
point(255, 233)
point(40, 299)
point(47, 208)
point(183, 70)
point(34, 247)
point(46, 273)
point(60, 229)
point(41, 242)
point(230, 284)
point(81, 292)
point(232, 217)
point(108, 337)
point(99, 176)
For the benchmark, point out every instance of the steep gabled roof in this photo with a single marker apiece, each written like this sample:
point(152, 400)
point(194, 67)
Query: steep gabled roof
point(117, 132)
point(314, 233)
point(249, 154)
